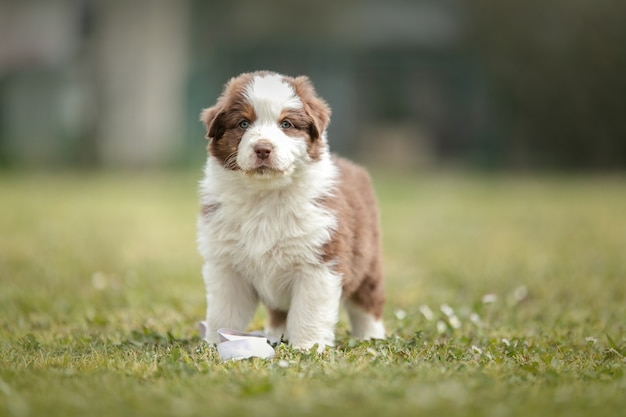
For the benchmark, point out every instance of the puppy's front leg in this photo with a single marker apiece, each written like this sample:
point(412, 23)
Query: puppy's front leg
point(314, 310)
point(231, 301)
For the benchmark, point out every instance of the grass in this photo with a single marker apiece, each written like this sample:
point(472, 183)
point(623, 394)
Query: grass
point(506, 297)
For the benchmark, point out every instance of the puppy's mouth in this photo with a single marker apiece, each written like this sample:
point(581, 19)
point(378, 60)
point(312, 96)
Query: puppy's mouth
point(264, 170)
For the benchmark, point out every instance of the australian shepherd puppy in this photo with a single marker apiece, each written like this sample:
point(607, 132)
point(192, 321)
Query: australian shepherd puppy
point(282, 220)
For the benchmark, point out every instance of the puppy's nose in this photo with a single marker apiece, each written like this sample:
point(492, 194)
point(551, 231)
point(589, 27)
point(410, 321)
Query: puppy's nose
point(263, 149)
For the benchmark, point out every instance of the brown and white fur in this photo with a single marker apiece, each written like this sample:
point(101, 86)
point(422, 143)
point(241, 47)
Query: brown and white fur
point(282, 220)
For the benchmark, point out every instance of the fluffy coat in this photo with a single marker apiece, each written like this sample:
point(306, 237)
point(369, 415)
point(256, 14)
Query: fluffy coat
point(282, 220)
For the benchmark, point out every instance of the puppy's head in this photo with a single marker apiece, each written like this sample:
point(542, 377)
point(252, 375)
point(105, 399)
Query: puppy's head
point(266, 125)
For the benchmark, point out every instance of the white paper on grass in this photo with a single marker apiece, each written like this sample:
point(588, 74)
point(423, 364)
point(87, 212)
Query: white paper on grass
point(236, 345)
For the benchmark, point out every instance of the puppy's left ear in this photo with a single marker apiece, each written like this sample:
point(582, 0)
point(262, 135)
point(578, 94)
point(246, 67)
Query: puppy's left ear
point(315, 107)
point(209, 117)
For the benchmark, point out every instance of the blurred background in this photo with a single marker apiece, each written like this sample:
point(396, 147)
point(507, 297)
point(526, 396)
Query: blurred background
point(489, 84)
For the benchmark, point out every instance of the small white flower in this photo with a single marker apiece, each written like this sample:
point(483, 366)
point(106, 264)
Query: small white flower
point(427, 312)
point(447, 310)
point(283, 363)
point(592, 340)
point(372, 352)
point(520, 293)
point(454, 322)
point(489, 298)
point(506, 342)
point(441, 326)
point(477, 349)
point(475, 318)
point(400, 314)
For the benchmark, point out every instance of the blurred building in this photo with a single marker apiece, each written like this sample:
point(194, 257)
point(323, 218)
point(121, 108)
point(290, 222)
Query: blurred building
point(392, 71)
point(411, 82)
point(93, 81)
point(122, 83)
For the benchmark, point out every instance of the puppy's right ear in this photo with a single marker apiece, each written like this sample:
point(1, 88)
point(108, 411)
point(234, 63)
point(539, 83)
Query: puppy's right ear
point(212, 118)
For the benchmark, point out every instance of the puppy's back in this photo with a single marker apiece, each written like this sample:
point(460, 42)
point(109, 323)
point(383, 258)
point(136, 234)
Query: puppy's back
point(355, 245)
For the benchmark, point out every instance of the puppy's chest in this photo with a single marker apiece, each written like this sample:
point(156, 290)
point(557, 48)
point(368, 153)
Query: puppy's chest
point(269, 238)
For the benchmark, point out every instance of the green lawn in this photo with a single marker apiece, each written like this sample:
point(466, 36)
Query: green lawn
point(506, 297)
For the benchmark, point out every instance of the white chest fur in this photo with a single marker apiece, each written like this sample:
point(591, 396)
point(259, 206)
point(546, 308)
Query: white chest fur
point(265, 233)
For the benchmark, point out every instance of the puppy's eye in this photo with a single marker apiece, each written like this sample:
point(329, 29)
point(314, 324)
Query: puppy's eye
point(244, 124)
point(286, 124)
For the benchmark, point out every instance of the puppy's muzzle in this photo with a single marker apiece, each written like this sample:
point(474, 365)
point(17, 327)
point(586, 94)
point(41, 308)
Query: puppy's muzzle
point(263, 149)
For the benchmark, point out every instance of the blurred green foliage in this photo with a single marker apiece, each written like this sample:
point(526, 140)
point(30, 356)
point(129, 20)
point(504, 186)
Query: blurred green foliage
point(556, 69)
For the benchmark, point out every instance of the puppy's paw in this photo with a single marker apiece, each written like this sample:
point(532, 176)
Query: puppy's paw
point(276, 334)
point(307, 346)
point(372, 330)
point(208, 335)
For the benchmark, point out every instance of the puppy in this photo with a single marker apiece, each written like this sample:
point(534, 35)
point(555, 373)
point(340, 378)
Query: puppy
point(282, 220)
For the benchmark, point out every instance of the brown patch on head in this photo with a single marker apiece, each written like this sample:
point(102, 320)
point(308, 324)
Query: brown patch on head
point(355, 246)
point(301, 125)
point(315, 114)
point(222, 120)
